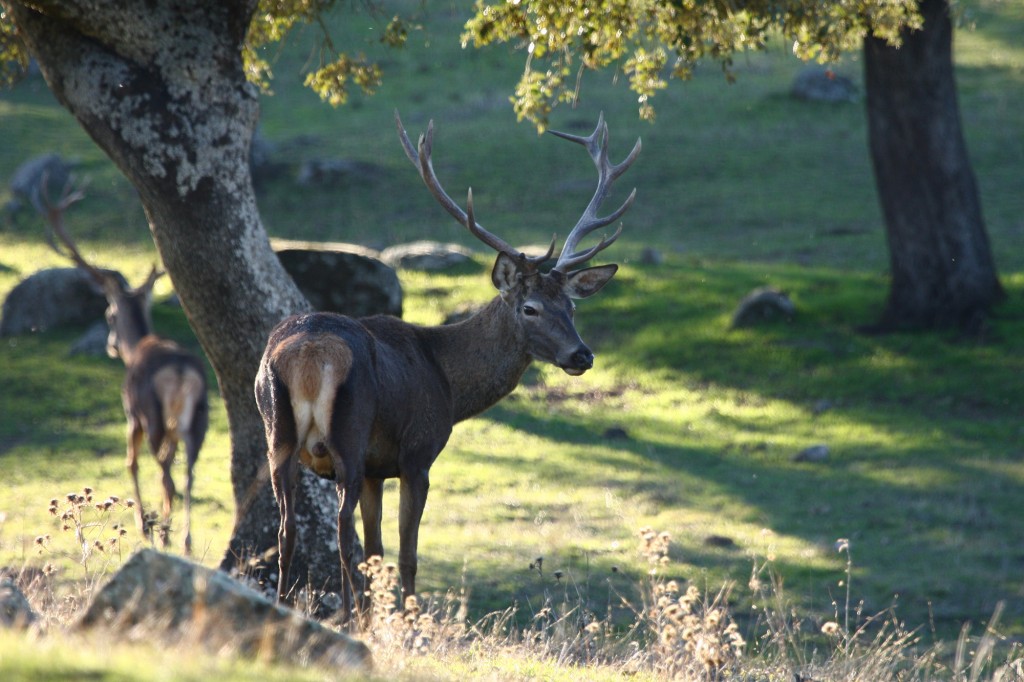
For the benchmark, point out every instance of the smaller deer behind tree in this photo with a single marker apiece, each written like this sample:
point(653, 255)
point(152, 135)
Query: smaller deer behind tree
point(363, 400)
point(164, 391)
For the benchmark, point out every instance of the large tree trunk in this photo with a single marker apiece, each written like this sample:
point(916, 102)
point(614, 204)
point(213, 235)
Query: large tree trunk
point(162, 91)
point(942, 270)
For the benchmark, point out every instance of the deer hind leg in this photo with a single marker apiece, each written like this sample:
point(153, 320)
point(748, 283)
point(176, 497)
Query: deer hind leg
point(135, 434)
point(192, 426)
point(190, 462)
point(347, 447)
point(283, 474)
point(413, 487)
point(348, 496)
point(193, 439)
point(165, 456)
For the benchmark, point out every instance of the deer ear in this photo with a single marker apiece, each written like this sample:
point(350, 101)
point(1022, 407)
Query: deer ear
point(506, 273)
point(588, 281)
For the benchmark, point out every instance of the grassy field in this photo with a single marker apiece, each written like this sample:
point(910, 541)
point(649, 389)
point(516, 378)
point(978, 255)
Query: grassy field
point(738, 186)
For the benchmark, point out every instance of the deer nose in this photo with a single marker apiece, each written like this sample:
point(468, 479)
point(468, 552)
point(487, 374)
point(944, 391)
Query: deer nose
point(582, 358)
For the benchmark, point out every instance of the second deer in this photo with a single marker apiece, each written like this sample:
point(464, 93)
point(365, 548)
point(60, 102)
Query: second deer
point(164, 392)
point(363, 400)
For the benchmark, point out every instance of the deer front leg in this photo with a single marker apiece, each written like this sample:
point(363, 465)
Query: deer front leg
point(371, 509)
point(413, 490)
point(135, 435)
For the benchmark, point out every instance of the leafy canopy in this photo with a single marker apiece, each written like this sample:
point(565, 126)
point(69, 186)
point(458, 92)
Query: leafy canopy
point(333, 70)
point(648, 40)
point(641, 37)
point(13, 56)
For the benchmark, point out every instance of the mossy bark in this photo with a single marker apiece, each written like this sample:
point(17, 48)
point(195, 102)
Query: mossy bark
point(161, 89)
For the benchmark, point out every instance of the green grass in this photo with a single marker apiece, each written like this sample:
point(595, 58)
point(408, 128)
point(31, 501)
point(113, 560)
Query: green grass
point(739, 187)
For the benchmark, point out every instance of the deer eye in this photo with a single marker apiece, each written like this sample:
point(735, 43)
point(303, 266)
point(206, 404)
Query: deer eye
point(529, 311)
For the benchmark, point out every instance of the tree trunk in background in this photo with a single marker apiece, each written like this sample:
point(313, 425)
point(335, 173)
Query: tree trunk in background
point(943, 274)
point(163, 93)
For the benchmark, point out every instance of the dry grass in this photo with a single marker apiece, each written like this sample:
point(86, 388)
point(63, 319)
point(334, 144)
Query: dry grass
point(673, 633)
point(670, 631)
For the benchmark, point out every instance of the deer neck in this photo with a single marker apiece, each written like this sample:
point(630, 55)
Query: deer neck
point(131, 329)
point(483, 357)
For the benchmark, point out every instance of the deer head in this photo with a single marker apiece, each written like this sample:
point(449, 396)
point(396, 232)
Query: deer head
point(542, 302)
point(128, 309)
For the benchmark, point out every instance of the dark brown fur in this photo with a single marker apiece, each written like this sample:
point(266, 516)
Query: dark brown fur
point(391, 414)
point(165, 399)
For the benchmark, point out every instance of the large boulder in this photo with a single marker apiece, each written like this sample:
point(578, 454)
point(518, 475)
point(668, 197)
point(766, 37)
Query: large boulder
point(335, 172)
point(169, 599)
point(342, 278)
point(93, 342)
point(52, 298)
point(426, 255)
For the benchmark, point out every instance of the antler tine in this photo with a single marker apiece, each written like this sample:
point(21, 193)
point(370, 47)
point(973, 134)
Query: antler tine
point(155, 273)
point(596, 145)
point(420, 156)
point(54, 214)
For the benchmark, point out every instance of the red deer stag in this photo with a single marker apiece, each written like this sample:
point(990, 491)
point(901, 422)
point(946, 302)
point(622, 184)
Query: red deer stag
point(364, 400)
point(164, 390)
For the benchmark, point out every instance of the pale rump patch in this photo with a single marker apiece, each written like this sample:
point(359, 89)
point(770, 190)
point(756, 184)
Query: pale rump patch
point(178, 391)
point(313, 367)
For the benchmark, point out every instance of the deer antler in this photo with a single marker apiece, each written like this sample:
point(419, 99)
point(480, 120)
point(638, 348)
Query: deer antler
point(72, 193)
point(420, 157)
point(597, 145)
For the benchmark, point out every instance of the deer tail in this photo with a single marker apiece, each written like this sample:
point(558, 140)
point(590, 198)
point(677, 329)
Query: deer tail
point(313, 368)
point(179, 392)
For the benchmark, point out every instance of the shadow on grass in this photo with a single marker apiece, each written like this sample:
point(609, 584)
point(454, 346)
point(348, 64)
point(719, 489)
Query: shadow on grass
point(934, 536)
point(929, 500)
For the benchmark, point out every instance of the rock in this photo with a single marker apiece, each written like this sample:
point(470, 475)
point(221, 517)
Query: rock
point(160, 597)
point(330, 172)
point(815, 453)
point(720, 541)
point(15, 611)
point(763, 304)
point(651, 256)
point(52, 298)
point(426, 255)
point(821, 406)
point(26, 181)
point(817, 84)
point(342, 278)
point(615, 433)
point(93, 342)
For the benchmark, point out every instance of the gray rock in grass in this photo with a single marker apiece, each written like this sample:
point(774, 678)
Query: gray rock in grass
point(160, 597)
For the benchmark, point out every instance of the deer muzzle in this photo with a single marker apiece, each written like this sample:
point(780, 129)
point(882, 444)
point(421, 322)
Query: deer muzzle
point(579, 362)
